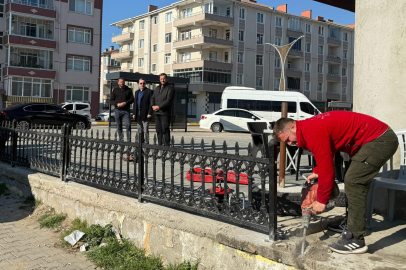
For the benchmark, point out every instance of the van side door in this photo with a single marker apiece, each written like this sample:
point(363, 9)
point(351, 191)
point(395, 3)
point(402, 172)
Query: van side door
point(277, 110)
point(306, 110)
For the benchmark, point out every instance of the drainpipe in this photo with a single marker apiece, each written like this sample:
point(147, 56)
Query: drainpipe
point(149, 41)
point(59, 52)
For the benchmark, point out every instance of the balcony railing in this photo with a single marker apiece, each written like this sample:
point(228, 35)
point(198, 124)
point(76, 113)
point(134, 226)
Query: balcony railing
point(199, 36)
point(202, 12)
point(293, 69)
point(201, 59)
point(295, 29)
point(333, 38)
point(123, 33)
point(30, 58)
point(333, 56)
point(46, 4)
point(124, 50)
point(333, 74)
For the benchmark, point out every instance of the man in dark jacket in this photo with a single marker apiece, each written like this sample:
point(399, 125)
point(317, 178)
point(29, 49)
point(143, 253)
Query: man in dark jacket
point(142, 109)
point(122, 97)
point(162, 105)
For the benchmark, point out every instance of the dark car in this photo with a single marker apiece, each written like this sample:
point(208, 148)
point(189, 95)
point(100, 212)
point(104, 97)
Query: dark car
point(30, 114)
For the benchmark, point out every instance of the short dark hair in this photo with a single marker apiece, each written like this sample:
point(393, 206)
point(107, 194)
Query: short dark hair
point(121, 78)
point(163, 74)
point(142, 79)
point(280, 126)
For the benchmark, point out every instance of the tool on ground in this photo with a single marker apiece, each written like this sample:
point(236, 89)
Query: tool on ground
point(308, 195)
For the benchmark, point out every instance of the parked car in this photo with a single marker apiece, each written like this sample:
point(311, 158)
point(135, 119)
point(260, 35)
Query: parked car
point(229, 120)
point(29, 114)
point(81, 108)
point(104, 116)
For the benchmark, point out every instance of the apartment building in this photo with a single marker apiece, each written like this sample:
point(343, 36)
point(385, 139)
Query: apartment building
point(50, 51)
point(218, 43)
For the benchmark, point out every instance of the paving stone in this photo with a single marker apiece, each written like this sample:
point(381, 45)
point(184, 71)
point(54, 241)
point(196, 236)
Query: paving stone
point(7, 256)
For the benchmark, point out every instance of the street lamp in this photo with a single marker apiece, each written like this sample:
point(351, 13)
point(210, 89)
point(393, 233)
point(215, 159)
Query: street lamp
point(283, 54)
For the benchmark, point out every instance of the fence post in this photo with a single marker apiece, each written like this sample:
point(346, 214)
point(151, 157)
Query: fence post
point(65, 151)
point(13, 143)
point(140, 166)
point(273, 199)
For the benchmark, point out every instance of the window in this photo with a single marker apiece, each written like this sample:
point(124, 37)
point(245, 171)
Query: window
point(168, 37)
point(345, 36)
point(307, 47)
point(307, 88)
point(344, 90)
point(187, 12)
point(155, 20)
point(320, 49)
point(79, 35)
point(240, 57)
point(278, 41)
point(167, 58)
point(81, 6)
point(185, 57)
point(320, 87)
point(277, 62)
point(78, 63)
point(141, 44)
point(241, 35)
point(225, 57)
point(306, 107)
point(320, 68)
point(142, 25)
point(307, 66)
point(242, 13)
point(259, 59)
point(298, 44)
point(2, 9)
point(30, 87)
point(168, 17)
point(260, 38)
point(239, 79)
point(321, 30)
point(344, 54)
point(259, 81)
point(260, 18)
point(155, 48)
point(153, 67)
point(308, 29)
point(276, 83)
point(213, 33)
point(344, 73)
point(227, 112)
point(1, 40)
point(278, 22)
point(77, 93)
point(185, 35)
point(295, 24)
point(140, 62)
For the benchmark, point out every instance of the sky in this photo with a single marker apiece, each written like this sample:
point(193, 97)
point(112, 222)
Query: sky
point(117, 10)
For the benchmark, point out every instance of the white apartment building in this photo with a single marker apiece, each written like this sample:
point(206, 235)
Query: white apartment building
point(218, 43)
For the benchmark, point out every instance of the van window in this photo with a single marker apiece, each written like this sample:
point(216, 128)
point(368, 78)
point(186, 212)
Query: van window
point(306, 107)
point(227, 113)
point(68, 107)
point(277, 106)
point(81, 106)
point(263, 105)
point(232, 103)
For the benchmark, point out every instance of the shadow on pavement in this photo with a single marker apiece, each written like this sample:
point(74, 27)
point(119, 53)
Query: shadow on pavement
point(13, 207)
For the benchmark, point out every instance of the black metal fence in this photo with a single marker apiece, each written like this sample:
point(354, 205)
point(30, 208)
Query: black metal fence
point(207, 179)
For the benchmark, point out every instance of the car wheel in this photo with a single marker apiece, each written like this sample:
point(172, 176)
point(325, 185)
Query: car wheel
point(216, 127)
point(23, 124)
point(80, 125)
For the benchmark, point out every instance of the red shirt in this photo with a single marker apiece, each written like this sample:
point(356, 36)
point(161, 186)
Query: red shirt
point(327, 133)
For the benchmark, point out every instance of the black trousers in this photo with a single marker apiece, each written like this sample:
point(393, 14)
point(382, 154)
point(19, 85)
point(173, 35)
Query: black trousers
point(162, 129)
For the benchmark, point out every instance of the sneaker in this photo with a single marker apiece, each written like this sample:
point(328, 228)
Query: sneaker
point(340, 228)
point(348, 245)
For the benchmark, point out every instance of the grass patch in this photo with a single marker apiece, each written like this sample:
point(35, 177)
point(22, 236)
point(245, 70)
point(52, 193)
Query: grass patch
point(37, 203)
point(51, 220)
point(3, 188)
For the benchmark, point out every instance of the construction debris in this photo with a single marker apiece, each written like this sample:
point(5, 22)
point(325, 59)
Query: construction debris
point(74, 237)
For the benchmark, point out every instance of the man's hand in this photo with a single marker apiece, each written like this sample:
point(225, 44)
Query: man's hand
point(148, 116)
point(318, 208)
point(121, 104)
point(312, 176)
point(155, 108)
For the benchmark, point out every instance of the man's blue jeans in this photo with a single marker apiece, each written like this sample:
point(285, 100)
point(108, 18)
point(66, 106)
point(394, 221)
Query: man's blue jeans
point(121, 116)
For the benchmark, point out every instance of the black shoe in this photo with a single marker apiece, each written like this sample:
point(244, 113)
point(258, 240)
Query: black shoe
point(348, 245)
point(340, 228)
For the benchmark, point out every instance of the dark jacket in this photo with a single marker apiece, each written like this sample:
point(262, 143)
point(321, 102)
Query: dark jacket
point(146, 107)
point(163, 98)
point(124, 94)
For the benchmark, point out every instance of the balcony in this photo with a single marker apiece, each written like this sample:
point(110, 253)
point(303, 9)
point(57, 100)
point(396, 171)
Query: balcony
point(123, 37)
point(295, 53)
point(128, 68)
point(333, 41)
point(333, 77)
point(203, 42)
point(202, 62)
point(293, 72)
point(295, 33)
point(122, 54)
point(29, 72)
point(30, 58)
point(333, 59)
point(202, 18)
point(43, 8)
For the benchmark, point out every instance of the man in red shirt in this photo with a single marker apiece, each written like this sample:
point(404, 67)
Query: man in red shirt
point(369, 142)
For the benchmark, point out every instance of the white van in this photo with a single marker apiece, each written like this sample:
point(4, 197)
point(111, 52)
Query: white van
point(268, 103)
point(81, 108)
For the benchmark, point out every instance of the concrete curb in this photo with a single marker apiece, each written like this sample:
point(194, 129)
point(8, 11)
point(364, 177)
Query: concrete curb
point(100, 123)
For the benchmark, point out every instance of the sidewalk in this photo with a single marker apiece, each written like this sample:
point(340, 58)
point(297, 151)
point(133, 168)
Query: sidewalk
point(23, 245)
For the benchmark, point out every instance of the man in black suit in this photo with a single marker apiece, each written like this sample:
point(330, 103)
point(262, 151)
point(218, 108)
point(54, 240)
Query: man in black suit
point(142, 108)
point(162, 105)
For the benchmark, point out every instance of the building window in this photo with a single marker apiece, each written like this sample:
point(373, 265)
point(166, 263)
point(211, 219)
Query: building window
point(295, 24)
point(187, 12)
point(1, 40)
point(240, 57)
point(29, 87)
point(167, 58)
point(345, 36)
point(307, 47)
point(344, 54)
point(308, 28)
point(168, 17)
point(278, 22)
point(321, 30)
point(307, 66)
point(242, 13)
point(259, 59)
point(155, 48)
point(277, 62)
point(239, 79)
point(307, 86)
point(142, 25)
point(278, 41)
point(320, 49)
point(168, 37)
point(320, 87)
point(140, 62)
point(260, 38)
point(141, 44)
point(260, 18)
point(225, 57)
point(344, 73)
point(79, 35)
point(241, 35)
point(320, 68)
point(2, 9)
point(185, 57)
point(259, 81)
point(276, 83)
point(77, 93)
point(344, 90)
point(155, 20)
point(81, 6)
point(153, 67)
point(185, 35)
point(78, 63)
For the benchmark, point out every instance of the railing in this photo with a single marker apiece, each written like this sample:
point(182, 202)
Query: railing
point(201, 12)
point(31, 3)
point(293, 69)
point(126, 50)
point(333, 75)
point(201, 59)
point(333, 56)
point(123, 33)
point(334, 38)
point(198, 36)
point(233, 189)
